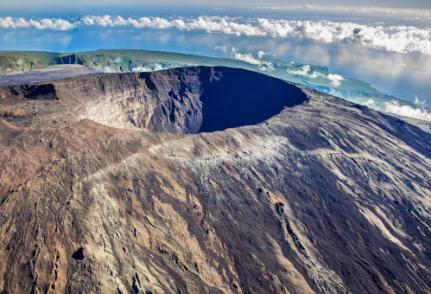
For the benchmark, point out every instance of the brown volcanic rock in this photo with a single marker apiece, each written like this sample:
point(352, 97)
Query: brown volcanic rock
point(309, 194)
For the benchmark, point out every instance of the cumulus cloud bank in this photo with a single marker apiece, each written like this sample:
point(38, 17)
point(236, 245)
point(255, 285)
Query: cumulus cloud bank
point(398, 108)
point(405, 110)
point(402, 39)
point(43, 24)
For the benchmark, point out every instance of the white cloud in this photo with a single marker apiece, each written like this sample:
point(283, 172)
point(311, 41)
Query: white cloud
point(260, 54)
point(403, 39)
point(146, 68)
point(370, 102)
point(315, 75)
point(419, 102)
point(335, 79)
point(397, 108)
point(303, 71)
point(43, 24)
point(249, 58)
point(153, 67)
point(246, 57)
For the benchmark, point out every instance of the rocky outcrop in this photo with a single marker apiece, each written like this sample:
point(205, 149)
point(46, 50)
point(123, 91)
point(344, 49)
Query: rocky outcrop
point(311, 194)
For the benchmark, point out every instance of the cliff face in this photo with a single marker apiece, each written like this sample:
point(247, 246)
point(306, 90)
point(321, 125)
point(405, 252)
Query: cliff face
point(173, 182)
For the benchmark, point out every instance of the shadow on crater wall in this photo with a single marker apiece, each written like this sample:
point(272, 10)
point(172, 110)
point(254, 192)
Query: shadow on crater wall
point(233, 98)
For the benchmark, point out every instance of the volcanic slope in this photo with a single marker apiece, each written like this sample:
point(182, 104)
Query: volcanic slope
point(208, 180)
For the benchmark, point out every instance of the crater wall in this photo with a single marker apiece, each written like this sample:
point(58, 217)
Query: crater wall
point(181, 100)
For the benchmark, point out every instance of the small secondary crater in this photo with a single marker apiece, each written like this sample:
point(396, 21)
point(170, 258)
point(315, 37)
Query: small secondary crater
point(78, 254)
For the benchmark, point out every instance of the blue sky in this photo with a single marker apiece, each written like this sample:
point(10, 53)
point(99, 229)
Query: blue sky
point(76, 3)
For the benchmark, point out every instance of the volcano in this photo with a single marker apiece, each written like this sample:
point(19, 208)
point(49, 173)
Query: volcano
point(207, 180)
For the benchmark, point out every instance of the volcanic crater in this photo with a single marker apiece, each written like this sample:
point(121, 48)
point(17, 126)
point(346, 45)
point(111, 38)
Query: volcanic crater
point(126, 183)
point(181, 100)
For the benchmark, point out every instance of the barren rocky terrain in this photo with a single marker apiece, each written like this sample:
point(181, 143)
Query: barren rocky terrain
point(207, 180)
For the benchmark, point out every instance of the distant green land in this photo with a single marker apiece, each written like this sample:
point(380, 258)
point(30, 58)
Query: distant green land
point(316, 77)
